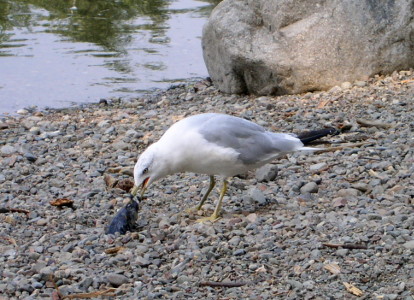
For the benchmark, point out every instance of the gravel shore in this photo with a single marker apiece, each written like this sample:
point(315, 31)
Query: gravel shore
point(331, 225)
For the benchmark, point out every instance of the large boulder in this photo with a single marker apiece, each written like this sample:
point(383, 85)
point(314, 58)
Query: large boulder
point(278, 47)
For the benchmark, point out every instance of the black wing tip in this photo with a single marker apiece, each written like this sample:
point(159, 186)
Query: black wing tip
point(307, 137)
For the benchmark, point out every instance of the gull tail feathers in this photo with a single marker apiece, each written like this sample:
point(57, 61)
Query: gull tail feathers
point(310, 136)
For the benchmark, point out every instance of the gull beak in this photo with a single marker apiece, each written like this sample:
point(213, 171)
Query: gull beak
point(135, 189)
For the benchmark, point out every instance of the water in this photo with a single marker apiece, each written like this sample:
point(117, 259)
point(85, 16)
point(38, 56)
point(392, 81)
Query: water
point(58, 53)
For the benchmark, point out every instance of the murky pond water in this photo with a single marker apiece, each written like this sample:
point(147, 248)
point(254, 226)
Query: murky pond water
point(61, 52)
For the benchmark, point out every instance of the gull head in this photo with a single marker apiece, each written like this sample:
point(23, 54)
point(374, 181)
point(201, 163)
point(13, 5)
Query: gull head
point(148, 169)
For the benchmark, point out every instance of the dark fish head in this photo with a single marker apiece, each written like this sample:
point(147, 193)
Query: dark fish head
point(132, 207)
point(125, 219)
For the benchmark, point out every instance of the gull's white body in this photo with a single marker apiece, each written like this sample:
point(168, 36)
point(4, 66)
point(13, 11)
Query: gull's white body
point(213, 144)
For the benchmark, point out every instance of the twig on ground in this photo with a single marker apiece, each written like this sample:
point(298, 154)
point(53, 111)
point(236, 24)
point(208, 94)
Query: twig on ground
point(332, 149)
point(345, 246)
point(4, 210)
point(223, 284)
point(371, 123)
point(108, 293)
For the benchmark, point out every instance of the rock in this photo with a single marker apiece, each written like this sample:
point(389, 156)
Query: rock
point(50, 134)
point(239, 252)
point(264, 48)
point(7, 150)
point(317, 167)
point(360, 83)
point(104, 123)
point(342, 252)
point(252, 218)
point(42, 222)
point(310, 187)
point(22, 112)
point(266, 173)
point(346, 85)
point(409, 244)
point(30, 157)
point(141, 261)
point(339, 202)
point(116, 280)
point(121, 146)
point(35, 130)
point(348, 193)
point(295, 284)
point(86, 283)
point(254, 195)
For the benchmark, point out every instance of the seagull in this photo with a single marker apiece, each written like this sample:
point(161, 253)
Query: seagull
point(217, 145)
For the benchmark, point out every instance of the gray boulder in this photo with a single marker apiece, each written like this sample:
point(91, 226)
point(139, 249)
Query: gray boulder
point(269, 47)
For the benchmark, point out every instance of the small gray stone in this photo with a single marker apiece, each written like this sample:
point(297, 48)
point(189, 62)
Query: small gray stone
point(310, 187)
point(86, 283)
point(317, 167)
point(342, 252)
point(121, 146)
point(239, 252)
point(116, 280)
point(363, 187)
point(42, 222)
point(255, 195)
point(35, 130)
point(348, 193)
point(141, 261)
point(409, 244)
point(266, 173)
point(7, 150)
point(30, 157)
point(22, 111)
point(295, 284)
point(315, 254)
point(360, 83)
point(183, 278)
point(309, 284)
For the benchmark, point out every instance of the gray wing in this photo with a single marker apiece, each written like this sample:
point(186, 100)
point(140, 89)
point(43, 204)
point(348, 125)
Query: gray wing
point(253, 143)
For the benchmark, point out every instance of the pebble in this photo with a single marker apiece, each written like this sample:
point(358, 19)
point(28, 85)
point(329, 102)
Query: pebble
point(116, 280)
point(360, 83)
point(317, 167)
point(310, 187)
point(409, 244)
point(7, 150)
point(273, 224)
point(254, 195)
point(266, 173)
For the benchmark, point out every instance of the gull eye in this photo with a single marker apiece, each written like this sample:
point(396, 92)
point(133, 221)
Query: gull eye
point(145, 171)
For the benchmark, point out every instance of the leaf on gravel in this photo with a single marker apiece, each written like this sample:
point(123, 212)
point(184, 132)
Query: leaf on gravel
point(114, 250)
point(110, 181)
point(333, 268)
point(121, 170)
point(62, 202)
point(353, 289)
point(125, 184)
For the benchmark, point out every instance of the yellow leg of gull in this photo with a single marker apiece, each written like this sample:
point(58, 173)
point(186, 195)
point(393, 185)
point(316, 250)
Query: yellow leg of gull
point(210, 188)
point(216, 212)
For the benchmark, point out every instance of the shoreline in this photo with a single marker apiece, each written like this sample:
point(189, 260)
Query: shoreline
point(272, 235)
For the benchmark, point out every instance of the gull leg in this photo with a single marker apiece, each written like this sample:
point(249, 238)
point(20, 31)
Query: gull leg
point(210, 188)
point(216, 212)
